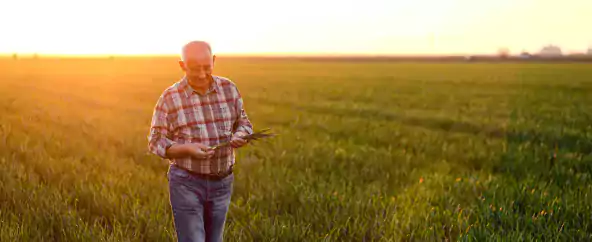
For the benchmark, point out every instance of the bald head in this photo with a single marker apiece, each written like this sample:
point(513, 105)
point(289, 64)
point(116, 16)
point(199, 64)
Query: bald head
point(196, 50)
point(197, 62)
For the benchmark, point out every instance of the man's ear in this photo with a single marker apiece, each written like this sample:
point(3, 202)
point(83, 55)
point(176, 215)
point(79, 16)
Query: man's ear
point(182, 65)
point(213, 59)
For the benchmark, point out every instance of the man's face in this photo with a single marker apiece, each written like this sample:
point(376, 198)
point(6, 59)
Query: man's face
point(198, 67)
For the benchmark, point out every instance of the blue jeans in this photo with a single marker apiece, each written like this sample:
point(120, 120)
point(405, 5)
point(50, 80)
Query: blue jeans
point(199, 206)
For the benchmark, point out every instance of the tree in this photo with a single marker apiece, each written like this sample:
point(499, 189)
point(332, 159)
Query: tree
point(503, 53)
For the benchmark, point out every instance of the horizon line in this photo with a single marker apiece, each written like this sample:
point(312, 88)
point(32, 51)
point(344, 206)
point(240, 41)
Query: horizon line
point(285, 54)
point(254, 55)
point(28, 55)
point(270, 54)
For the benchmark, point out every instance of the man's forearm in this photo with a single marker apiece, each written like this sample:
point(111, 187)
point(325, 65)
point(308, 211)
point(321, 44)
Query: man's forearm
point(177, 151)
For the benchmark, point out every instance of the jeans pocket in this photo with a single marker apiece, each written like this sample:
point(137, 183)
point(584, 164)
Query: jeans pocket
point(228, 181)
point(175, 172)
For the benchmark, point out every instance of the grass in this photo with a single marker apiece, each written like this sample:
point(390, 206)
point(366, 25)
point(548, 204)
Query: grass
point(368, 151)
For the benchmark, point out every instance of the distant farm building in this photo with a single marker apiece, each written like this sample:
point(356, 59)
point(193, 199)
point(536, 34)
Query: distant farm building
point(525, 55)
point(550, 51)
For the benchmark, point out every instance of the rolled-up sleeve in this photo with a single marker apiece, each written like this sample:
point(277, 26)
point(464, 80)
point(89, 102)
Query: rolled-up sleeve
point(158, 137)
point(243, 124)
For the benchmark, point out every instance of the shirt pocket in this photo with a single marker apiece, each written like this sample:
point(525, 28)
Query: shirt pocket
point(224, 111)
point(181, 118)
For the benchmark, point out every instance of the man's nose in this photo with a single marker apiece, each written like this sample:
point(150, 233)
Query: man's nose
point(201, 75)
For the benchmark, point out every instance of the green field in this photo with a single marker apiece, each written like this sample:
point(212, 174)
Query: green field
point(368, 151)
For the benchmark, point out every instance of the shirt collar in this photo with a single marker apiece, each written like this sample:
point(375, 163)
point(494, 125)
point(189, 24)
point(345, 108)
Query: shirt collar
point(214, 87)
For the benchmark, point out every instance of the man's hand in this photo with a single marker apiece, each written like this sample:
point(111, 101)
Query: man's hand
point(237, 141)
point(199, 151)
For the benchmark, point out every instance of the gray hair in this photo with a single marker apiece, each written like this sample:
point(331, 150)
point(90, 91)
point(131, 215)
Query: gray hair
point(194, 44)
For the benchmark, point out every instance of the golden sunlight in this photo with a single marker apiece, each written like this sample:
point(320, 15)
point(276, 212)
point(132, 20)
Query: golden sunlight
point(304, 27)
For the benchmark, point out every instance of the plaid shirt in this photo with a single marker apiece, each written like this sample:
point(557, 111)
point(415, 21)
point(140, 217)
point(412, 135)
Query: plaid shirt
point(181, 115)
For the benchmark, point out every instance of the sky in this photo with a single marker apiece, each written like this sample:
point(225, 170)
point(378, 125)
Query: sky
point(303, 27)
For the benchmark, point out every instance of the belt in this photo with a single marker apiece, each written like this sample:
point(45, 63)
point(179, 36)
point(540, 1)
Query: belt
point(209, 177)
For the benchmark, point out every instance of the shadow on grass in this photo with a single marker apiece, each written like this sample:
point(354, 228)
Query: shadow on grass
point(549, 157)
point(576, 143)
point(541, 186)
point(423, 122)
point(541, 173)
point(541, 189)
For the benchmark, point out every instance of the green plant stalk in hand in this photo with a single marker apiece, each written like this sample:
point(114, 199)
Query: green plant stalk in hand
point(254, 136)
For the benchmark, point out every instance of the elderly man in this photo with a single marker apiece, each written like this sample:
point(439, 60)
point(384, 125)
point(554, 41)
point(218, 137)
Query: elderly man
point(197, 112)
